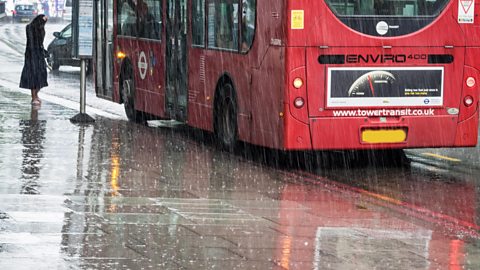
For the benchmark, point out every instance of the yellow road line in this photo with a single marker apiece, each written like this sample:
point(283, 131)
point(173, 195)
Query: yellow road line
point(442, 157)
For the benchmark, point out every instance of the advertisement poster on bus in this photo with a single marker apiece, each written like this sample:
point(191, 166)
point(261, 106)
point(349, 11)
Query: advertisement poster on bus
point(365, 87)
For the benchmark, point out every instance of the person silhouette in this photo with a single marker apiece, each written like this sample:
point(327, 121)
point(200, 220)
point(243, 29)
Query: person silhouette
point(34, 72)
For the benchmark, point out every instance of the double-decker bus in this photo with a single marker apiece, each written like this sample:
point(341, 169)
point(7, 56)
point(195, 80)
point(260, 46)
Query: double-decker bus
point(297, 75)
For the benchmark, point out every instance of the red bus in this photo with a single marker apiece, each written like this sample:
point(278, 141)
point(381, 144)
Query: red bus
point(297, 75)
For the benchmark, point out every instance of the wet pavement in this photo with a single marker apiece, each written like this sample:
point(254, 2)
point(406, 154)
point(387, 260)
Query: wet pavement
point(116, 195)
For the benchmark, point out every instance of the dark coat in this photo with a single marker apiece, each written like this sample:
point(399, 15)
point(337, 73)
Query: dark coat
point(34, 73)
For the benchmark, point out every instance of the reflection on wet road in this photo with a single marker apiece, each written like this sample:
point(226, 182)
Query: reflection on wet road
point(33, 133)
point(114, 195)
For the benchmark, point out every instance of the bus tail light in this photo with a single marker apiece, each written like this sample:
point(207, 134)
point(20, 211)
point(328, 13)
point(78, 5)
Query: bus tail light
point(298, 83)
point(470, 82)
point(299, 102)
point(468, 101)
point(467, 128)
point(470, 93)
point(297, 89)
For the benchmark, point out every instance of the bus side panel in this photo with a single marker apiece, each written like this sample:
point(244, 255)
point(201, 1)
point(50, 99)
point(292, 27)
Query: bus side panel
point(267, 100)
point(243, 84)
point(266, 60)
point(206, 68)
point(200, 98)
point(257, 77)
point(150, 80)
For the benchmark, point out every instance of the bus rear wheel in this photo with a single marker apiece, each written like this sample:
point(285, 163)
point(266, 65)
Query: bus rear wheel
point(128, 91)
point(225, 125)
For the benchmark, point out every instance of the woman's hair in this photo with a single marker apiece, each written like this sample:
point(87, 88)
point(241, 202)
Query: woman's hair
point(38, 21)
point(38, 25)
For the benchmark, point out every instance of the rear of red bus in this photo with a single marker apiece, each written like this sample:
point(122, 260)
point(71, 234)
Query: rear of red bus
point(380, 74)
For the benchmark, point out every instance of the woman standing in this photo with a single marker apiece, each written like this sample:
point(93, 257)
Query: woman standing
point(34, 73)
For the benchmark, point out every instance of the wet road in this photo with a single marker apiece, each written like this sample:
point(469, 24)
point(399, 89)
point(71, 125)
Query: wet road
point(115, 195)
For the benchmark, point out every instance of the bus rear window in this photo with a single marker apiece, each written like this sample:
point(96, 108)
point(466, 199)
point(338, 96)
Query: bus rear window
point(403, 8)
point(387, 18)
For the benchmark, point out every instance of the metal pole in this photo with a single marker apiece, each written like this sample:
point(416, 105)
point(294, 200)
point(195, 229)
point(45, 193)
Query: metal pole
point(82, 117)
point(83, 87)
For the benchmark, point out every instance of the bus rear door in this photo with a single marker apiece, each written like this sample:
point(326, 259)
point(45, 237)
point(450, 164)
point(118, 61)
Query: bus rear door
point(104, 50)
point(176, 62)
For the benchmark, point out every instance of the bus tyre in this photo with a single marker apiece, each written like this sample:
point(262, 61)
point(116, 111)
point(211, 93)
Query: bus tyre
point(128, 91)
point(225, 126)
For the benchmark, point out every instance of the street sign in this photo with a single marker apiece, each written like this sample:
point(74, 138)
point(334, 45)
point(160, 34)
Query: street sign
point(82, 25)
point(465, 11)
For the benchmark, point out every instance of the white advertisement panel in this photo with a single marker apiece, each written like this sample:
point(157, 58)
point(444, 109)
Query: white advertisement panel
point(385, 87)
point(85, 28)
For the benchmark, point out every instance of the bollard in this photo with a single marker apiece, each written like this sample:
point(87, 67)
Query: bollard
point(82, 117)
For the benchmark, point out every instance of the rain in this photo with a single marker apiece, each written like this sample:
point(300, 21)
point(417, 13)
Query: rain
point(183, 169)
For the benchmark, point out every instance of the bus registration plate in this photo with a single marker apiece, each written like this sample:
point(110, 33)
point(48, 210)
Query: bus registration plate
point(384, 135)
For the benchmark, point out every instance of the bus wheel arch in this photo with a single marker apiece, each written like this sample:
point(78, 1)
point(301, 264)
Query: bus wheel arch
point(225, 114)
point(127, 92)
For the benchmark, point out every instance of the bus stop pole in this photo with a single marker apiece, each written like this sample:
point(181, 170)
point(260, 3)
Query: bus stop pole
point(82, 117)
point(83, 87)
point(82, 30)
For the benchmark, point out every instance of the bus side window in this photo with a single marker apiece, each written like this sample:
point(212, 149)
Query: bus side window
point(149, 18)
point(223, 25)
point(127, 19)
point(198, 23)
point(248, 24)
